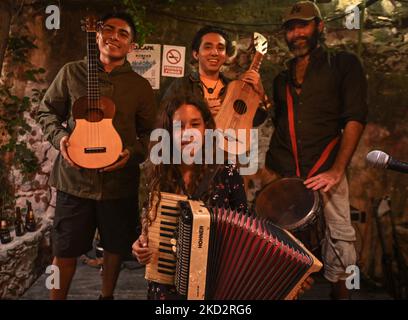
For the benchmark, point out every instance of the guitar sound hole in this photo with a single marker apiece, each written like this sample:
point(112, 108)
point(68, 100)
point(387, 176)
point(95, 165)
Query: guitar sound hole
point(94, 115)
point(240, 107)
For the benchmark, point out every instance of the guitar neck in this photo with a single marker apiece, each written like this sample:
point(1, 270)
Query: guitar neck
point(93, 86)
point(256, 62)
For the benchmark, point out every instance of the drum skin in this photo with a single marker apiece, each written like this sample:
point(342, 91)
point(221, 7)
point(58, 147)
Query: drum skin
point(288, 204)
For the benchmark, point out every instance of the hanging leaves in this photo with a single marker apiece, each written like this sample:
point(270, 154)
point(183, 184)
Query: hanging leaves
point(137, 10)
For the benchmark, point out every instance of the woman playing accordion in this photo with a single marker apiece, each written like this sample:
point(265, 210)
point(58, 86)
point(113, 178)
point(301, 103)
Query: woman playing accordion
point(224, 186)
point(226, 189)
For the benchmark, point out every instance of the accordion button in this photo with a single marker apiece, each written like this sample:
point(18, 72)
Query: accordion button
point(173, 241)
point(174, 249)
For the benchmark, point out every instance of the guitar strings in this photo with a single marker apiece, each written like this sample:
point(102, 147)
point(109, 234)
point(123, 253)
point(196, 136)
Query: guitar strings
point(94, 95)
point(94, 103)
point(234, 119)
point(89, 107)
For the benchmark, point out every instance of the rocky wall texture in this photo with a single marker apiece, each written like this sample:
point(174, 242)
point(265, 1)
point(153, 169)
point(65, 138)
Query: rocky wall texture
point(22, 261)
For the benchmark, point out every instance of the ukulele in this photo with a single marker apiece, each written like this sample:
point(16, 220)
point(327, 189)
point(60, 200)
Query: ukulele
point(94, 142)
point(238, 109)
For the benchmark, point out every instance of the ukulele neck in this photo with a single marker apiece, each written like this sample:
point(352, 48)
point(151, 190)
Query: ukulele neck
point(256, 62)
point(93, 86)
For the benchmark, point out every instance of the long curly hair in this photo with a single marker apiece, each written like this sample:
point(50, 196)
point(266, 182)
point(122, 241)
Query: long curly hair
point(167, 177)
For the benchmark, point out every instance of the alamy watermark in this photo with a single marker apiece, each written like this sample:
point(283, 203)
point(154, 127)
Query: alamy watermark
point(53, 280)
point(353, 280)
point(53, 20)
point(235, 142)
point(353, 17)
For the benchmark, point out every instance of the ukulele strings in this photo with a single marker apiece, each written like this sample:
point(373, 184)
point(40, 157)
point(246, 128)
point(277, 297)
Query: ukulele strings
point(98, 105)
point(96, 91)
point(256, 62)
point(235, 119)
point(90, 91)
point(93, 96)
point(93, 101)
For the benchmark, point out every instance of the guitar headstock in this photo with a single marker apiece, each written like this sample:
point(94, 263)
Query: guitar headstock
point(260, 43)
point(90, 23)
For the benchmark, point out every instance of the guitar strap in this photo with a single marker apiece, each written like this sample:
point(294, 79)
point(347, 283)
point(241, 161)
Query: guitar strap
point(291, 119)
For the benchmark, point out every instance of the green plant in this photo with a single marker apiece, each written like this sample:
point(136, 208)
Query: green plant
point(137, 10)
point(14, 152)
point(18, 47)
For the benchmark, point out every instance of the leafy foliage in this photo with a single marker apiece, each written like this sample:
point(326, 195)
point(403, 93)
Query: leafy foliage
point(137, 9)
point(19, 48)
point(15, 153)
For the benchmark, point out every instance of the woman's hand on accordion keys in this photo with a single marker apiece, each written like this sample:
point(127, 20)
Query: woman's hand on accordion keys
point(141, 251)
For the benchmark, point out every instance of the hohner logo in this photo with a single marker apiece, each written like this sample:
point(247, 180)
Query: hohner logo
point(200, 236)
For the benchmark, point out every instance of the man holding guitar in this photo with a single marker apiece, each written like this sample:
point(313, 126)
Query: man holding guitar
point(320, 112)
point(105, 198)
point(211, 48)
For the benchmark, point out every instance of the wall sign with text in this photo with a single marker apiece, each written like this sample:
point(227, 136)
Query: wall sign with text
point(174, 58)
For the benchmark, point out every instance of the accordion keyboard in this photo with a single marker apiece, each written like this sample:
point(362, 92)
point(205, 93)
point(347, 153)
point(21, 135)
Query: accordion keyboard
point(162, 267)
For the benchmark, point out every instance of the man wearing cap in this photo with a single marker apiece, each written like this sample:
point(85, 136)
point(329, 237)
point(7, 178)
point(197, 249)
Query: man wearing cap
point(320, 113)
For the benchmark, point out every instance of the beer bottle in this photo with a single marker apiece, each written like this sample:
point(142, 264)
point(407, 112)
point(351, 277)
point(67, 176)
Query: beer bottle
point(5, 236)
point(30, 223)
point(18, 223)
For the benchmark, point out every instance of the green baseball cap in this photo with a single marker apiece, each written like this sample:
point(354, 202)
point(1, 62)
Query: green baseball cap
point(302, 10)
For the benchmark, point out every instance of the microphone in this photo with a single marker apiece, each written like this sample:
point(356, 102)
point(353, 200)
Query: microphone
point(379, 159)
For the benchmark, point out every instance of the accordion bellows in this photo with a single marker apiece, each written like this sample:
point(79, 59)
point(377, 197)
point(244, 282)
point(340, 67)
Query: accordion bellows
point(225, 254)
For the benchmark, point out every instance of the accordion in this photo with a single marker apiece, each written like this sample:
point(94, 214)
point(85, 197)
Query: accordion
point(223, 254)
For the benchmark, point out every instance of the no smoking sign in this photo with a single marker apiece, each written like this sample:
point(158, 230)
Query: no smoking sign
point(173, 56)
point(173, 61)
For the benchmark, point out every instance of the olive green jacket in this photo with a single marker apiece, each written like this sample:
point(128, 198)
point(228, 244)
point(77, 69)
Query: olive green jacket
point(134, 119)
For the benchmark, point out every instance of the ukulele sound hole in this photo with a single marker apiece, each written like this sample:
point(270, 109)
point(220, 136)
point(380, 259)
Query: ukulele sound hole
point(240, 106)
point(94, 115)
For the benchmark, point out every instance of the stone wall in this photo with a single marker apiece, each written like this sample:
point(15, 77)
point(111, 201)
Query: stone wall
point(22, 261)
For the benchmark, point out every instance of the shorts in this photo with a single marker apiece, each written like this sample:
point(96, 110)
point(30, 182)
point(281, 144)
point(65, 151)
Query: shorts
point(338, 249)
point(76, 220)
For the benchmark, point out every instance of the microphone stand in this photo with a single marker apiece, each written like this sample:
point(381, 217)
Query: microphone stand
point(401, 264)
point(386, 259)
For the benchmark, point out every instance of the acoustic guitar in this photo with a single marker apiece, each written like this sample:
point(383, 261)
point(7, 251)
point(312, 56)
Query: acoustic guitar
point(94, 142)
point(239, 106)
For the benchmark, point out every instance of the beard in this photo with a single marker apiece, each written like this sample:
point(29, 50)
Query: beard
point(302, 48)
